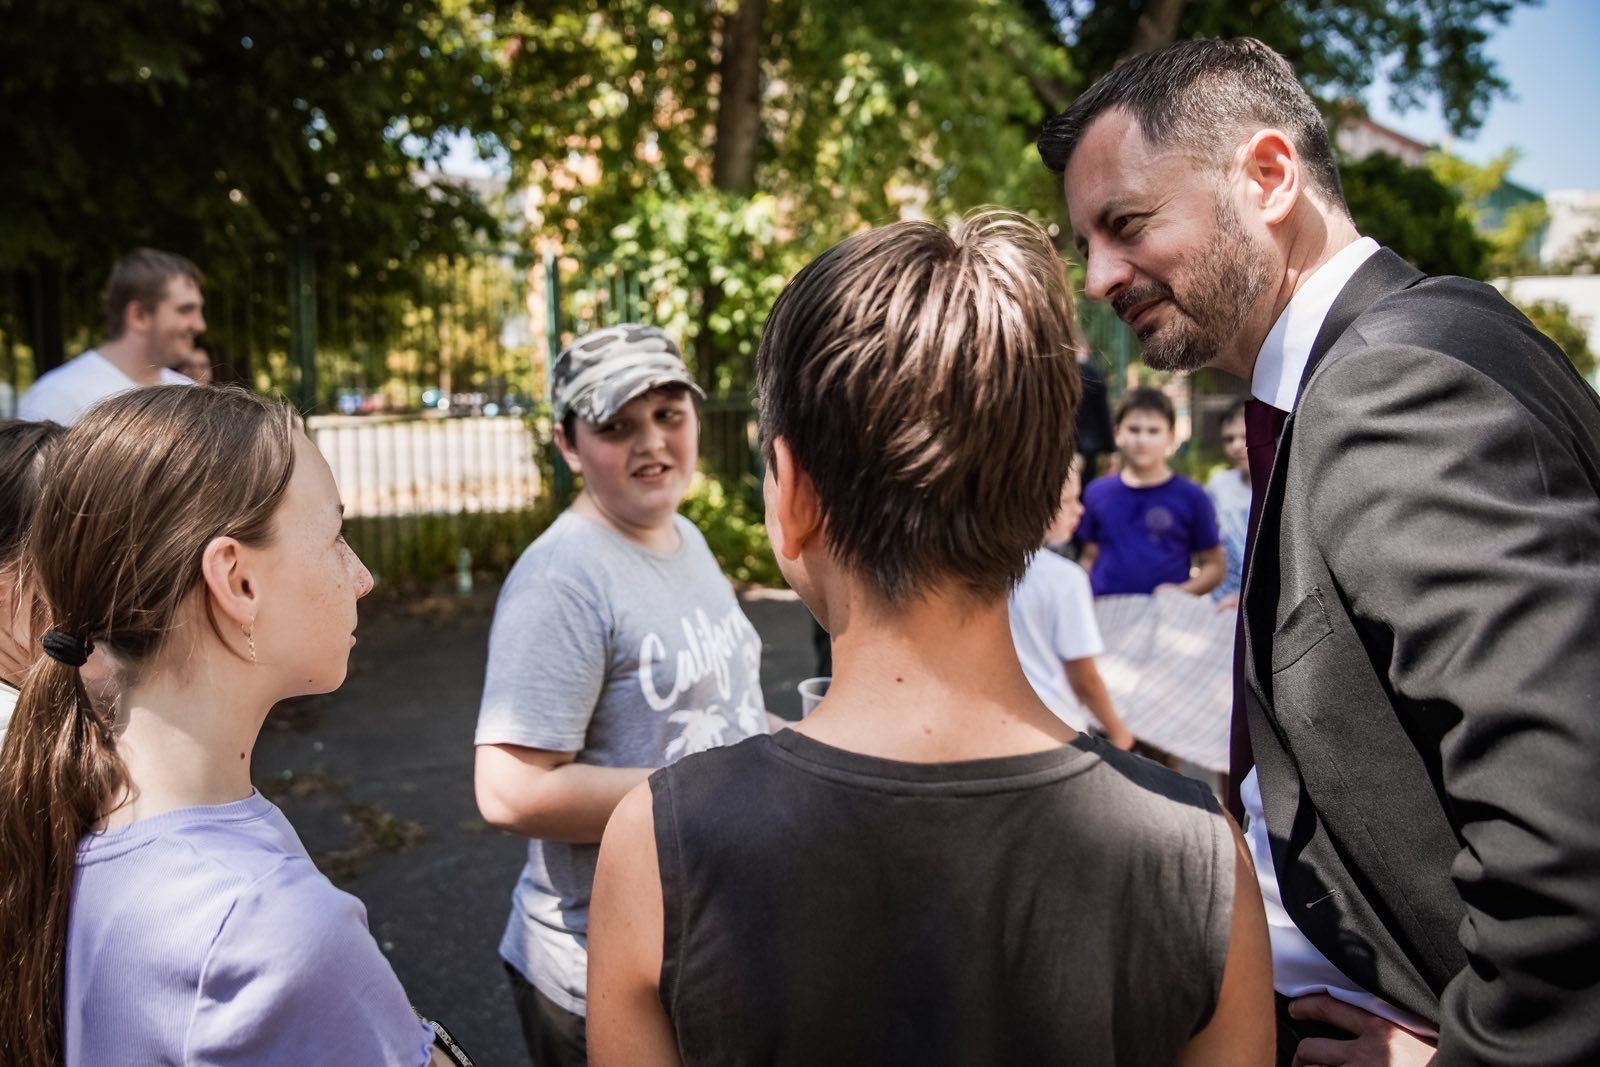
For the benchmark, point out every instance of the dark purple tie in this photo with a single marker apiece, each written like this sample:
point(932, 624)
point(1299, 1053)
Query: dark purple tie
point(1262, 425)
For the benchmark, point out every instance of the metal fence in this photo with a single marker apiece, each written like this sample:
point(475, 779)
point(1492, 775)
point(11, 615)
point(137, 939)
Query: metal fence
point(428, 403)
point(1112, 342)
point(299, 321)
point(429, 494)
point(389, 466)
point(581, 296)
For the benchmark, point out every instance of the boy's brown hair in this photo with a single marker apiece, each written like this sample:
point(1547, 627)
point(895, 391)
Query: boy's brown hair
point(926, 380)
point(1145, 398)
point(142, 276)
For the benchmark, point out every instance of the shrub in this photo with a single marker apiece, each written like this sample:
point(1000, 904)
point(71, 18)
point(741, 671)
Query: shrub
point(729, 514)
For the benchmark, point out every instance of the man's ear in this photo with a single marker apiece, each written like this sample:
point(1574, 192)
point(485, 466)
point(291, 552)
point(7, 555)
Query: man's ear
point(1273, 170)
point(135, 318)
point(225, 567)
point(568, 449)
point(794, 504)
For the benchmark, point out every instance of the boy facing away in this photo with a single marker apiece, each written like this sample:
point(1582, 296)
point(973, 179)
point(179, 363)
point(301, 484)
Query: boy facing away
point(931, 867)
point(1145, 526)
point(1057, 635)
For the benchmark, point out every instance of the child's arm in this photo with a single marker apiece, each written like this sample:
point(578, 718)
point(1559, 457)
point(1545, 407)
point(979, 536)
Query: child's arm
point(536, 792)
point(1090, 689)
point(627, 1024)
point(1211, 568)
point(1211, 559)
point(1243, 1027)
point(548, 651)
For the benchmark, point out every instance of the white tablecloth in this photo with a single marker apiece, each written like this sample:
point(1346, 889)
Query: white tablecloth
point(1169, 667)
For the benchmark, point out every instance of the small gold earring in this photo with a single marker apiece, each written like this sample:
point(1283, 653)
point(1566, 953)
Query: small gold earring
point(250, 637)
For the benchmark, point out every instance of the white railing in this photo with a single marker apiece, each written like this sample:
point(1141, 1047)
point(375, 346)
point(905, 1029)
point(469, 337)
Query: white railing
point(392, 465)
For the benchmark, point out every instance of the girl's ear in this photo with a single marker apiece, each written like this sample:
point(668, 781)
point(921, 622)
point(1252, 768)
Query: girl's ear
point(225, 565)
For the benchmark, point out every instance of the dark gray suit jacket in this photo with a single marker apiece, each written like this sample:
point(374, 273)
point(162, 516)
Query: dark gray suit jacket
point(1422, 666)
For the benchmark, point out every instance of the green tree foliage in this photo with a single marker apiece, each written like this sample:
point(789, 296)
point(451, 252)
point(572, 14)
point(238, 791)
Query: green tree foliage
point(1554, 320)
point(1414, 213)
point(730, 517)
point(1509, 241)
point(1426, 48)
point(220, 129)
point(867, 110)
point(875, 108)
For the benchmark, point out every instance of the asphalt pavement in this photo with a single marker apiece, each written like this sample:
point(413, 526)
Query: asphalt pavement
point(377, 780)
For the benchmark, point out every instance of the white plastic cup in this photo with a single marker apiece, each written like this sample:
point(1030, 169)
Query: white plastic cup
point(812, 690)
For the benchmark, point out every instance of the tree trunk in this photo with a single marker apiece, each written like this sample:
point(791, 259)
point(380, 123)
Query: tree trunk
point(1157, 27)
point(733, 166)
point(733, 160)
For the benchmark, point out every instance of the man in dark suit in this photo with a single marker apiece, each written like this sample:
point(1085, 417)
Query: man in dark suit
point(1419, 662)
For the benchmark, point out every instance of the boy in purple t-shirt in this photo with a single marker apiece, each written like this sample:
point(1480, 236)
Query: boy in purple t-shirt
point(1147, 527)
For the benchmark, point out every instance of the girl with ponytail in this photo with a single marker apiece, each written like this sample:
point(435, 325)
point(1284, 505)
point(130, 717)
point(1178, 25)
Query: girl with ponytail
point(154, 907)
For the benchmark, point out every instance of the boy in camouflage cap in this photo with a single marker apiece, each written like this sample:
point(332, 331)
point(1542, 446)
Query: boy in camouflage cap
point(598, 373)
point(618, 646)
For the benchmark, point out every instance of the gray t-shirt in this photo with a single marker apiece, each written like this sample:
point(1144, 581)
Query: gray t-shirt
point(628, 658)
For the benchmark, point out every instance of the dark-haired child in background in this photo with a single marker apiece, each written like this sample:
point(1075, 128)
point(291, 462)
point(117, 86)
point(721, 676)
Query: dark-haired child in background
point(1146, 526)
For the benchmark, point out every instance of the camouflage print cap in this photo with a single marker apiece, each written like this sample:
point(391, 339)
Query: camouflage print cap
point(595, 376)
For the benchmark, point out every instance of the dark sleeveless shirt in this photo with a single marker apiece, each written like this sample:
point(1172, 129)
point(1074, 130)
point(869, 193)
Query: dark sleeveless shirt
point(824, 907)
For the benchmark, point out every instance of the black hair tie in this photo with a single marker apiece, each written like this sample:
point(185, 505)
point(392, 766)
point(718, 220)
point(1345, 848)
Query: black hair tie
point(64, 648)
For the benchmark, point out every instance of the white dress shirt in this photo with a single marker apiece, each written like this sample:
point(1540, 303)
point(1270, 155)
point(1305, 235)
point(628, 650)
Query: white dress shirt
point(1298, 968)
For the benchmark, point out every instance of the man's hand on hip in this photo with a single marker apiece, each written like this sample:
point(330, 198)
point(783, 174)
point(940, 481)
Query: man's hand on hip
point(1376, 1042)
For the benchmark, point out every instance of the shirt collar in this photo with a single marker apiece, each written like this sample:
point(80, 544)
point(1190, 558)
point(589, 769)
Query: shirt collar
point(1282, 360)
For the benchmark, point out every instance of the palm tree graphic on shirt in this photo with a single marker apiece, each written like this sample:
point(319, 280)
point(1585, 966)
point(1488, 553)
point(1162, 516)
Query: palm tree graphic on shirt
point(751, 713)
point(702, 729)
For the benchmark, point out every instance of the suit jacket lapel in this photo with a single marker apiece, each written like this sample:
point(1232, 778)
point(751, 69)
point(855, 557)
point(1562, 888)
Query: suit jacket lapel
point(1383, 273)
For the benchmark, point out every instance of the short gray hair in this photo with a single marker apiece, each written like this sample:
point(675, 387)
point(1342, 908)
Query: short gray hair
point(1204, 97)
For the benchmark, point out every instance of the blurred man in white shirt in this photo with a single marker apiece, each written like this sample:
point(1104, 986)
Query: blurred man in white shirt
point(153, 315)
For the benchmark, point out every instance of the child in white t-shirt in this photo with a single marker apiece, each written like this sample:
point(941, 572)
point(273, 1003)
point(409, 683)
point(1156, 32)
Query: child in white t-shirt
point(1057, 638)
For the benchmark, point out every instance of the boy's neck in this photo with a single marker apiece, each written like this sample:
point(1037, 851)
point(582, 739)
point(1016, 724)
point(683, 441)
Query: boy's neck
point(934, 682)
point(1144, 478)
point(660, 537)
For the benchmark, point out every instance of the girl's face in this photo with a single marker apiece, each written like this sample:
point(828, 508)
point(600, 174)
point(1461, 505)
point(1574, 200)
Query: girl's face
point(1067, 519)
point(309, 580)
point(637, 466)
point(19, 625)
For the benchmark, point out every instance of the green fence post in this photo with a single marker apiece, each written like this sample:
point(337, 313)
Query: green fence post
point(303, 322)
point(561, 480)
